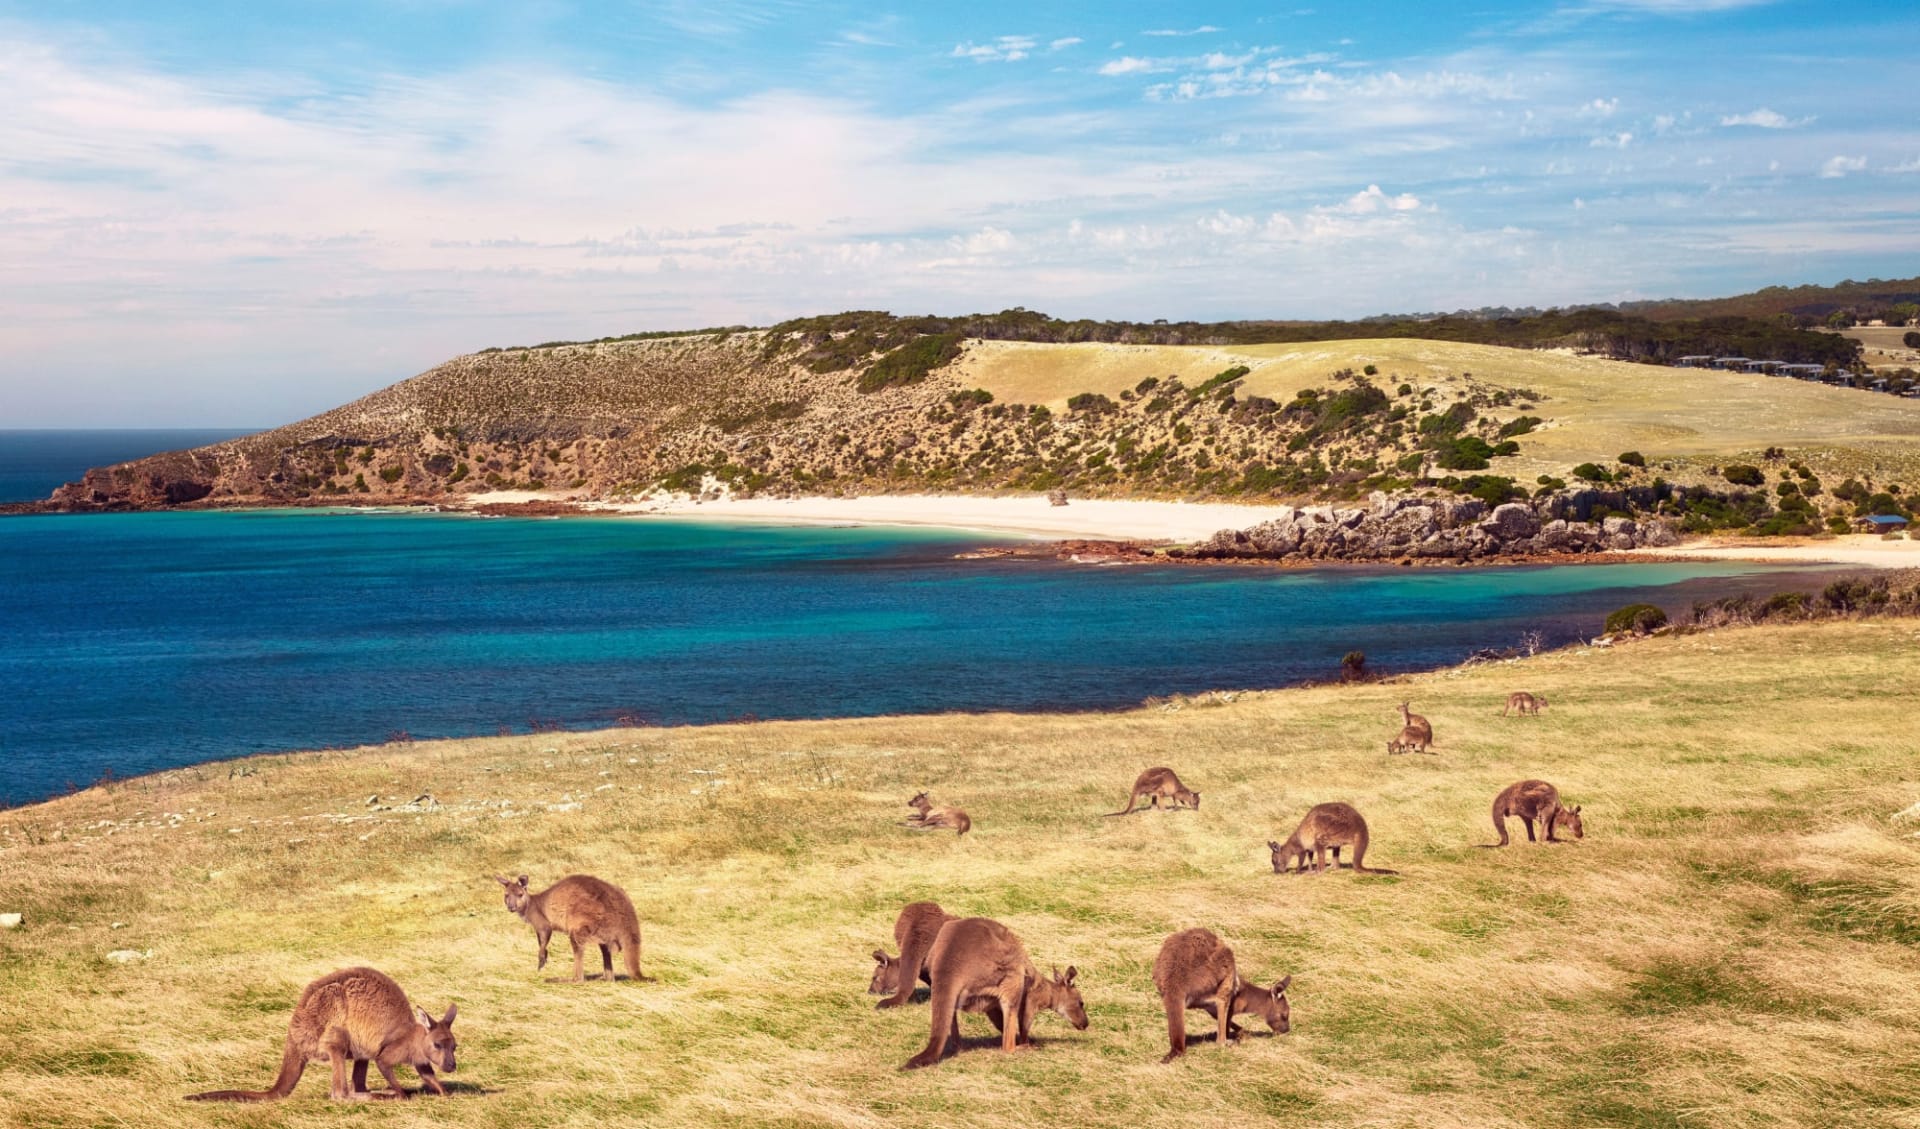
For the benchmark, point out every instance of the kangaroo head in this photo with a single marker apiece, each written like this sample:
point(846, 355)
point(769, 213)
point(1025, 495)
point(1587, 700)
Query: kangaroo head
point(920, 801)
point(886, 975)
point(1283, 856)
point(1568, 819)
point(517, 894)
point(1191, 798)
point(1539, 700)
point(1277, 1013)
point(436, 1038)
point(1064, 998)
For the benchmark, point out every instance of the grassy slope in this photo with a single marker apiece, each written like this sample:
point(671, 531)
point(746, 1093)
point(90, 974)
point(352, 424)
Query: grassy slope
point(1599, 407)
point(1733, 944)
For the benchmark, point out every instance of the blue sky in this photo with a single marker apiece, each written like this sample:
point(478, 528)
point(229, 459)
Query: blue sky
point(237, 214)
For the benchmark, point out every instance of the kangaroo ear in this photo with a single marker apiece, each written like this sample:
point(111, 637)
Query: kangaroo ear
point(420, 1013)
point(880, 956)
point(447, 1019)
point(1272, 846)
point(503, 881)
point(1071, 973)
point(523, 880)
point(1576, 809)
point(1280, 989)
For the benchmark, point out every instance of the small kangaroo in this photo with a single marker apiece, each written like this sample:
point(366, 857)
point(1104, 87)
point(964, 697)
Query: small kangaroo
point(1525, 703)
point(977, 964)
point(914, 931)
point(1195, 969)
point(1325, 827)
point(356, 1016)
point(926, 817)
point(588, 911)
point(1536, 799)
point(1416, 733)
point(1156, 784)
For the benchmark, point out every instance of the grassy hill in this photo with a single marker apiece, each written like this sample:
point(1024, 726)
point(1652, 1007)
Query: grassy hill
point(1868, 299)
point(1734, 943)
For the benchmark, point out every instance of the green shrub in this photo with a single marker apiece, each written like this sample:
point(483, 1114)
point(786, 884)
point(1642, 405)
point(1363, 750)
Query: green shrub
point(1371, 370)
point(1633, 458)
point(1520, 426)
point(1742, 474)
point(1090, 403)
point(1838, 524)
point(911, 362)
point(1592, 473)
point(1147, 385)
point(1404, 390)
point(391, 474)
point(1637, 618)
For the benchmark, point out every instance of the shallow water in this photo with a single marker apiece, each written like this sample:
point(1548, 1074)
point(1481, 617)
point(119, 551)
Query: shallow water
point(134, 642)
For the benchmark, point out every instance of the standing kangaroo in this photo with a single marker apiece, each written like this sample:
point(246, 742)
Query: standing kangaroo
point(588, 911)
point(977, 964)
point(1325, 827)
point(356, 1016)
point(1531, 800)
point(1524, 703)
point(1416, 733)
point(1156, 784)
point(914, 931)
point(926, 817)
point(1195, 969)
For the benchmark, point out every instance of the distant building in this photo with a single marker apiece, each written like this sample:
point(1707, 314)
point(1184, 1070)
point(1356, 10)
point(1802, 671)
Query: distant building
point(1886, 523)
point(1695, 360)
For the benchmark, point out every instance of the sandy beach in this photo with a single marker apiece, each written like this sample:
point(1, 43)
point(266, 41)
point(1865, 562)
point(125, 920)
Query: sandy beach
point(1866, 550)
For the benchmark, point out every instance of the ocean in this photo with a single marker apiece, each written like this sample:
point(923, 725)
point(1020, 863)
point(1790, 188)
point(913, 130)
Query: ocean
point(136, 642)
point(34, 463)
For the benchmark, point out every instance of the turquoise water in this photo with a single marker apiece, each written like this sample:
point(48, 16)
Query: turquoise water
point(134, 642)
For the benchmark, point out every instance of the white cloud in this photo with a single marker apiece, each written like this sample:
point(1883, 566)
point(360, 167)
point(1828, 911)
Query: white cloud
point(1672, 7)
point(1906, 166)
point(1167, 32)
point(1763, 118)
point(1600, 107)
point(1065, 42)
point(1837, 167)
point(1372, 199)
point(1128, 64)
point(1005, 49)
point(1614, 141)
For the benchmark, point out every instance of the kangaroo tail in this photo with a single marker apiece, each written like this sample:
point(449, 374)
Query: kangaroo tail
point(1500, 824)
point(1128, 810)
point(630, 948)
point(292, 1065)
point(1176, 1025)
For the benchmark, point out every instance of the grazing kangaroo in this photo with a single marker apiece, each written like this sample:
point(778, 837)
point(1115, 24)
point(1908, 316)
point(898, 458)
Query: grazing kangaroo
point(353, 1017)
point(914, 931)
point(588, 911)
point(1325, 827)
point(926, 817)
point(1156, 784)
point(977, 964)
point(1195, 969)
point(1524, 702)
point(1536, 799)
point(1416, 733)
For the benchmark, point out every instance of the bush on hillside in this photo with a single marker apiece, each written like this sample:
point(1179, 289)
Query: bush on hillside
point(1636, 618)
point(1742, 474)
point(1633, 458)
point(1591, 472)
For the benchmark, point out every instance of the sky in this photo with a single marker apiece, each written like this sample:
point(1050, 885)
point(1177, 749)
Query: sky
point(225, 214)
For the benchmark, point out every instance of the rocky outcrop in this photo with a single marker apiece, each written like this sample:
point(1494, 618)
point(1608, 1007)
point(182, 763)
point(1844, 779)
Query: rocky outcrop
point(1407, 527)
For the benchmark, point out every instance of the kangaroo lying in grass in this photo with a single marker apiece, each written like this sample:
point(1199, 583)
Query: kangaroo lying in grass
point(588, 911)
point(1523, 702)
point(914, 931)
point(356, 1016)
point(926, 817)
point(1416, 733)
point(1156, 784)
point(978, 965)
point(1536, 799)
point(1326, 827)
point(1195, 969)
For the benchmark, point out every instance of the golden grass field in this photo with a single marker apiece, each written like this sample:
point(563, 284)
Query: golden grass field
point(1598, 407)
point(1734, 943)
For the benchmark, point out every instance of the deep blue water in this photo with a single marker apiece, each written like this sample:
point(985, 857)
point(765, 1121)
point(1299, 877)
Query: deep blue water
point(134, 642)
point(34, 463)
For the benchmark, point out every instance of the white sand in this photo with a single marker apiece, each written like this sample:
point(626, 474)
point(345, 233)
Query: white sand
point(1029, 516)
point(1866, 550)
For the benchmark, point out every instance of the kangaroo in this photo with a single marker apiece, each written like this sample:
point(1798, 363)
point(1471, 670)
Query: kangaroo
point(914, 931)
point(926, 817)
point(356, 1016)
point(1325, 827)
point(588, 911)
point(1536, 799)
point(1156, 784)
point(1523, 702)
point(1195, 969)
point(1416, 734)
point(977, 964)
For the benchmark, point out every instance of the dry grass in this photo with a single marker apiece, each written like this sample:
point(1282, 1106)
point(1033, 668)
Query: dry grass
point(1732, 945)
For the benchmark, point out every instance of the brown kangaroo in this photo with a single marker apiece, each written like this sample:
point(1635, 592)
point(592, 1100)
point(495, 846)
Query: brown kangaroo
point(356, 1016)
point(1536, 799)
point(1416, 733)
point(914, 931)
point(588, 911)
point(977, 964)
point(1195, 969)
point(1524, 703)
point(1156, 784)
point(926, 817)
point(1325, 827)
